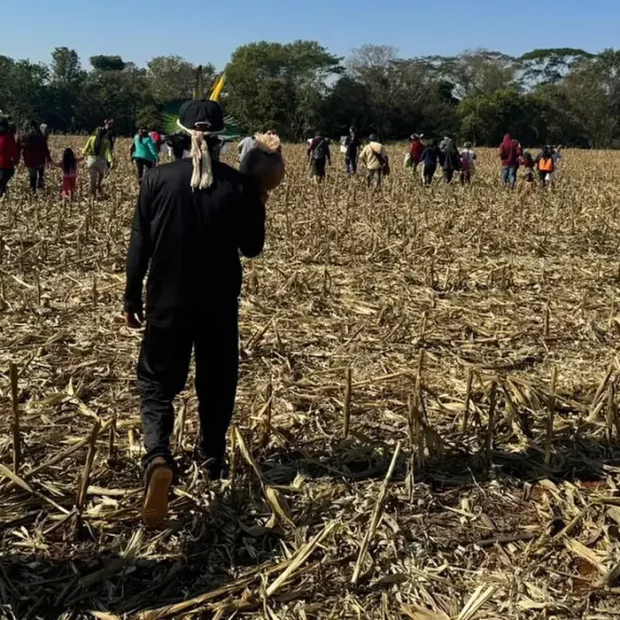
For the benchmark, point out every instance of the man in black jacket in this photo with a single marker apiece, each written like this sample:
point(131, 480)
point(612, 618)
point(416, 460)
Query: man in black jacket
point(192, 219)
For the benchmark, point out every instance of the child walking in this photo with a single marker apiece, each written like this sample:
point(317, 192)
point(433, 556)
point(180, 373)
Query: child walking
point(69, 165)
point(529, 165)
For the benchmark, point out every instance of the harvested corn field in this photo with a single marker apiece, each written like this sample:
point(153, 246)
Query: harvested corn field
point(427, 422)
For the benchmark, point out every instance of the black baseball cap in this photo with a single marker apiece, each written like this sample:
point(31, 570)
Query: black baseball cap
point(202, 114)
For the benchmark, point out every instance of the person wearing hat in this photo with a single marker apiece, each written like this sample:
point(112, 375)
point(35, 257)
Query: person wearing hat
point(193, 218)
point(375, 157)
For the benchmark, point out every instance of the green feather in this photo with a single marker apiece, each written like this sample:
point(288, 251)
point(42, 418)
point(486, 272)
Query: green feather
point(170, 115)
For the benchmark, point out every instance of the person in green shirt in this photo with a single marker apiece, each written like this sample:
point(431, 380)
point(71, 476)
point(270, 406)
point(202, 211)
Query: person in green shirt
point(97, 152)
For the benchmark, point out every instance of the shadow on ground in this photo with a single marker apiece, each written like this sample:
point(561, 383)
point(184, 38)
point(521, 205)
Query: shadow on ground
point(214, 542)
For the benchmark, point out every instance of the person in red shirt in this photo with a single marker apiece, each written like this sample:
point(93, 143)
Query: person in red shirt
point(35, 152)
point(9, 155)
point(509, 153)
point(417, 147)
point(156, 137)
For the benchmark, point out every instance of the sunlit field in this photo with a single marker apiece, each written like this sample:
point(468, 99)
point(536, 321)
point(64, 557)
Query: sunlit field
point(426, 423)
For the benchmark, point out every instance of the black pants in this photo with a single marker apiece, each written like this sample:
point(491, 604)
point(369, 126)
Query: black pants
point(318, 168)
point(6, 174)
point(448, 175)
point(163, 367)
point(429, 173)
point(141, 164)
point(36, 177)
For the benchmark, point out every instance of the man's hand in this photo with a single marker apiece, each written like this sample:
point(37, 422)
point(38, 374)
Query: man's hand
point(134, 320)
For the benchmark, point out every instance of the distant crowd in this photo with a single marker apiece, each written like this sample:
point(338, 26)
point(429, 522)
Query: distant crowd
point(424, 157)
point(29, 145)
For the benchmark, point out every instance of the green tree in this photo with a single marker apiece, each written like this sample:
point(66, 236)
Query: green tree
point(485, 118)
point(6, 69)
point(279, 85)
point(347, 104)
point(27, 96)
point(107, 63)
point(121, 95)
point(593, 93)
point(172, 78)
point(66, 79)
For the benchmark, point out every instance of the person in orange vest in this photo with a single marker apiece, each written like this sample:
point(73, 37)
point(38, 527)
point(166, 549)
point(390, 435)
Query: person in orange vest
point(545, 166)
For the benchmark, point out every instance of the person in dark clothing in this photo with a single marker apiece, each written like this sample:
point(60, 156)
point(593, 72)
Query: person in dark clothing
point(32, 146)
point(192, 219)
point(9, 154)
point(319, 156)
point(179, 144)
point(352, 146)
point(450, 161)
point(430, 157)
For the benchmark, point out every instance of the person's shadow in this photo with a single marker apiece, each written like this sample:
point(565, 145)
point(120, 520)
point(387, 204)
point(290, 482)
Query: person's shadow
point(212, 539)
point(219, 536)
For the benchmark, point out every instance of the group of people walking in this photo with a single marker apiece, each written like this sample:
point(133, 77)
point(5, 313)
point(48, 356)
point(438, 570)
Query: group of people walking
point(372, 155)
point(429, 157)
point(513, 157)
point(426, 157)
point(453, 160)
point(30, 146)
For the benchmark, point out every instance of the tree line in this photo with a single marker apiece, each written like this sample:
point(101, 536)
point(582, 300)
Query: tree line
point(563, 95)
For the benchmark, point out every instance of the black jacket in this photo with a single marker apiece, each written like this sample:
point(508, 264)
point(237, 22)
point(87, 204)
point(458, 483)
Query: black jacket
point(450, 158)
point(191, 240)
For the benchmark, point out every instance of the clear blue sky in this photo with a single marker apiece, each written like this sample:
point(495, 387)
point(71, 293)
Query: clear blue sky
point(206, 31)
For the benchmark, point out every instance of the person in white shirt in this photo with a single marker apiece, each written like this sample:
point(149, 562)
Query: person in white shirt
point(245, 146)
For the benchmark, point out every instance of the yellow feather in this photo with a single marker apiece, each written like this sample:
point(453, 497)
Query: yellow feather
point(217, 89)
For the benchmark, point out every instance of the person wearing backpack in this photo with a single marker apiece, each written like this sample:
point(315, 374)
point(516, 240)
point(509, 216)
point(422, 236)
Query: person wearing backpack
point(546, 166)
point(318, 156)
point(375, 158)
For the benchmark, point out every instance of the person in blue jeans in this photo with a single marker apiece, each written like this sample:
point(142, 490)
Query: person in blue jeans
point(509, 153)
point(144, 151)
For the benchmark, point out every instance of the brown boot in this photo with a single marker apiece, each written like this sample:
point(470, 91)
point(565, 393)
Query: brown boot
point(159, 478)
